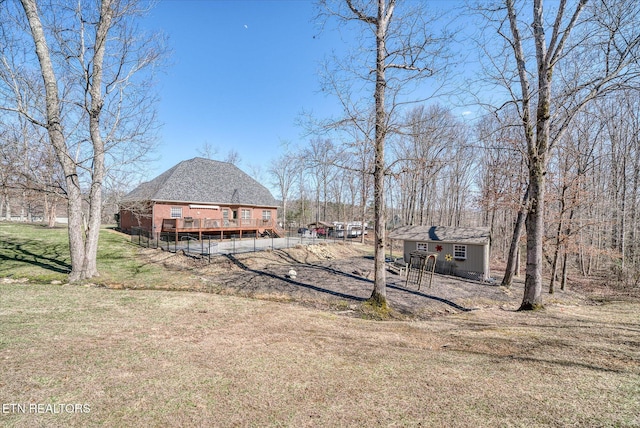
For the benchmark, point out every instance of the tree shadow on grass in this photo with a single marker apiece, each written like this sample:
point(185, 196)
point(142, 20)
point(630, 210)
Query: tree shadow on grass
point(429, 296)
point(544, 361)
point(292, 281)
point(49, 257)
point(392, 286)
point(338, 272)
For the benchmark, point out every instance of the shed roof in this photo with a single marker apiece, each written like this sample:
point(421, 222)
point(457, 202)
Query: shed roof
point(321, 224)
point(463, 235)
point(205, 181)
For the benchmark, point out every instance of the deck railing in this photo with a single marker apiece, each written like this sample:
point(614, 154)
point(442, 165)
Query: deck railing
point(171, 224)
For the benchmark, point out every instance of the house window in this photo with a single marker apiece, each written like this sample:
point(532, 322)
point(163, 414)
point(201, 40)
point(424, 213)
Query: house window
point(459, 252)
point(422, 246)
point(246, 216)
point(266, 215)
point(176, 212)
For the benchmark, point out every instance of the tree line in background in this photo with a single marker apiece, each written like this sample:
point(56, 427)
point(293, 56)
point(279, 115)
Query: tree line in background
point(456, 174)
point(542, 69)
point(552, 167)
point(432, 179)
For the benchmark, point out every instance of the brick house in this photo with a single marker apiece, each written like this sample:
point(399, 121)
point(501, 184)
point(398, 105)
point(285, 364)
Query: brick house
point(200, 196)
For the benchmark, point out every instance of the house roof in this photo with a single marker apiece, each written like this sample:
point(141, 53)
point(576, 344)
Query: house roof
point(204, 181)
point(463, 235)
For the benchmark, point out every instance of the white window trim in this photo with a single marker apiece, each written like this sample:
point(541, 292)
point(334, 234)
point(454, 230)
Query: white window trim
point(420, 244)
point(459, 248)
point(175, 213)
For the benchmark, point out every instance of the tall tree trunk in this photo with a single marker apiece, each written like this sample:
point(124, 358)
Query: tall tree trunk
point(7, 207)
point(538, 136)
point(56, 136)
point(556, 250)
point(535, 228)
point(379, 294)
point(52, 213)
point(95, 91)
point(537, 146)
point(364, 190)
point(514, 254)
point(563, 282)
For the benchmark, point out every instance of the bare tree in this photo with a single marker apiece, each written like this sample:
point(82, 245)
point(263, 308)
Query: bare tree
point(425, 148)
point(284, 172)
point(503, 184)
point(319, 157)
point(233, 157)
point(207, 150)
point(590, 51)
point(401, 50)
point(88, 56)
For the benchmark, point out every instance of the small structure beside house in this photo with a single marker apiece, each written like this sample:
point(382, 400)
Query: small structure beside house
point(321, 228)
point(338, 229)
point(200, 197)
point(351, 229)
point(462, 251)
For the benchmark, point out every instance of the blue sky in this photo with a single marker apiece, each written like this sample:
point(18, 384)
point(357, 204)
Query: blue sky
point(239, 75)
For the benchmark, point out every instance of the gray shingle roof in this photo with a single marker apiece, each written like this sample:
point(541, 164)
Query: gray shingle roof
point(463, 235)
point(204, 181)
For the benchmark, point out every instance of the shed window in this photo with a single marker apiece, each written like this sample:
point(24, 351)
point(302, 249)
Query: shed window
point(459, 252)
point(422, 246)
point(266, 215)
point(176, 212)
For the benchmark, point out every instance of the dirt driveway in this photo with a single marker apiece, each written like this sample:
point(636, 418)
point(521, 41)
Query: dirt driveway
point(339, 278)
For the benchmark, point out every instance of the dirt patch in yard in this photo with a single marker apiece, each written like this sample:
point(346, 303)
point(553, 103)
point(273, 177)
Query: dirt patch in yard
point(339, 278)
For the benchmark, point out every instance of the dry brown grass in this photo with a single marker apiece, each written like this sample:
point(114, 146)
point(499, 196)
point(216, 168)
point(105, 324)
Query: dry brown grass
point(287, 356)
point(149, 358)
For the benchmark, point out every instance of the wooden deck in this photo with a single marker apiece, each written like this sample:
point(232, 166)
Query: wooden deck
point(215, 226)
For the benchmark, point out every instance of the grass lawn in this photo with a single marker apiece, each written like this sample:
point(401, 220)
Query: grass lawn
point(41, 255)
point(34, 252)
point(173, 358)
